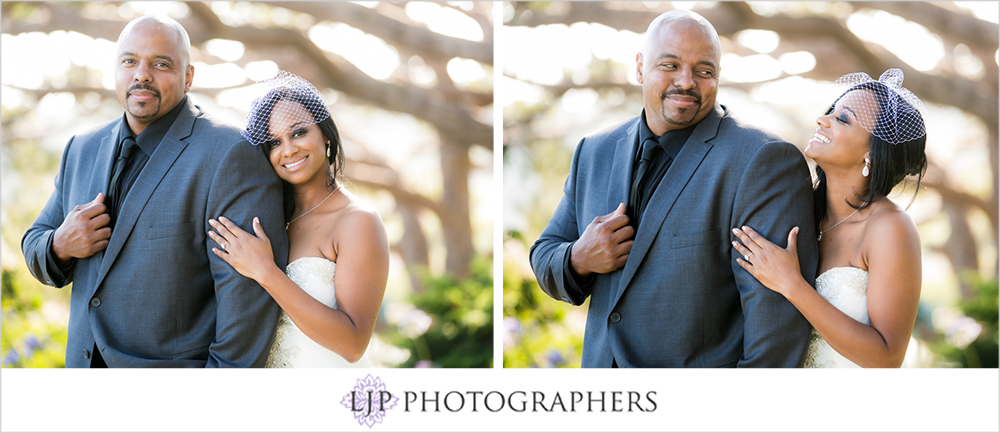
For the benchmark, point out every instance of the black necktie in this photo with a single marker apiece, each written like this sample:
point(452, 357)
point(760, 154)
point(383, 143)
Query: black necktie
point(114, 194)
point(647, 155)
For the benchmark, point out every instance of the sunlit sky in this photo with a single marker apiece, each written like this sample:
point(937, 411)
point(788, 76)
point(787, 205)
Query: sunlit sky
point(532, 62)
point(40, 56)
point(528, 62)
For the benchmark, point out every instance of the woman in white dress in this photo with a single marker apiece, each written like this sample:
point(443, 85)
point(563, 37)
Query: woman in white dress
point(865, 302)
point(338, 255)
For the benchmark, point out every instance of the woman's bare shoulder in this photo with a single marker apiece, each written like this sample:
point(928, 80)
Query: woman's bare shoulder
point(891, 233)
point(357, 221)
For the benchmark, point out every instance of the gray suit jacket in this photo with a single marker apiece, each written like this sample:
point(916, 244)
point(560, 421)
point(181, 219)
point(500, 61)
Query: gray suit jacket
point(681, 300)
point(157, 296)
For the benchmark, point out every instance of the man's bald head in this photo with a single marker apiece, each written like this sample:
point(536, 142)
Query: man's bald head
point(183, 42)
point(655, 32)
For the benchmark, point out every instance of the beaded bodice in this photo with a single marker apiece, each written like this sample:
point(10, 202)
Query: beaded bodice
point(292, 348)
point(847, 289)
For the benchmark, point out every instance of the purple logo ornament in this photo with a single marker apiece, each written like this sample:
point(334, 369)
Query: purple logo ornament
point(369, 400)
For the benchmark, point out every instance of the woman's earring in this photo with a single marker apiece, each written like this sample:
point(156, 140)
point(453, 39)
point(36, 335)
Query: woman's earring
point(328, 151)
point(864, 172)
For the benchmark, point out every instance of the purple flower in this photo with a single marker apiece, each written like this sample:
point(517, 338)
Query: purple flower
point(12, 358)
point(512, 325)
point(554, 358)
point(32, 343)
point(511, 332)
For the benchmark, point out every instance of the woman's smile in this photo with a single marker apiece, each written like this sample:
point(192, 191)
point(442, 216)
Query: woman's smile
point(820, 138)
point(292, 166)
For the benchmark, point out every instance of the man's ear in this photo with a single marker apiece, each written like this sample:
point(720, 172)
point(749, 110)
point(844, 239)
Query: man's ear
point(188, 78)
point(638, 67)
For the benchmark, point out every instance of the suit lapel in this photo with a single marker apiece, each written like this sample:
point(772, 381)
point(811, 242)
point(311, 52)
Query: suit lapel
point(101, 176)
point(156, 168)
point(673, 183)
point(625, 151)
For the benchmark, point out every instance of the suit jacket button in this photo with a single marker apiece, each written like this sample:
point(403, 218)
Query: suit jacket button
point(615, 317)
point(96, 302)
point(86, 354)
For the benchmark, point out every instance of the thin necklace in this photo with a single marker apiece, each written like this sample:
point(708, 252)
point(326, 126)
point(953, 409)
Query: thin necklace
point(314, 207)
point(837, 224)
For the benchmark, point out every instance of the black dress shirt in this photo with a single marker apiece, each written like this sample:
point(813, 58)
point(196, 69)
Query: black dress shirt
point(147, 142)
point(671, 144)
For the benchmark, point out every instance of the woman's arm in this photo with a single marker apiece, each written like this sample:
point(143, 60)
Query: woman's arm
point(892, 253)
point(362, 248)
point(893, 258)
point(362, 271)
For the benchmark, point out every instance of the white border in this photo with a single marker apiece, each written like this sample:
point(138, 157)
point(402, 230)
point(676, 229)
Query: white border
point(497, 189)
point(686, 400)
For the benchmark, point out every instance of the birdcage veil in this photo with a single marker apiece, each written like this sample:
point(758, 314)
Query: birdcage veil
point(895, 108)
point(284, 86)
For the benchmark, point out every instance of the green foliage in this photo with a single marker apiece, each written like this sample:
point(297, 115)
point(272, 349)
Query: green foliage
point(460, 319)
point(538, 330)
point(981, 307)
point(34, 331)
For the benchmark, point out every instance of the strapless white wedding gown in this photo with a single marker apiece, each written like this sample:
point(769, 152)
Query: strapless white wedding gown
point(847, 289)
point(292, 348)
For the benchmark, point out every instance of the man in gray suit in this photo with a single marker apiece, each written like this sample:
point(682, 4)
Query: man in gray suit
point(127, 223)
point(661, 272)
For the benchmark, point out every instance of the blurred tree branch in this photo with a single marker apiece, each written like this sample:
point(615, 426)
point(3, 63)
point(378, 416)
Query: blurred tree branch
point(325, 71)
point(961, 28)
point(850, 53)
point(560, 89)
point(449, 119)
point(395, 32)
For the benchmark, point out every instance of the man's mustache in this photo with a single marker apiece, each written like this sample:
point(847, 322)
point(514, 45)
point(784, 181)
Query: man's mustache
point(691, 93)
point(146, 87)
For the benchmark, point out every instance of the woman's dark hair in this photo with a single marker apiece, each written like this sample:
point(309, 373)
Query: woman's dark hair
point(890, 163)
point(317, 108)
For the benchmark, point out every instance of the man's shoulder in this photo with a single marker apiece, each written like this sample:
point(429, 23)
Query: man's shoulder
point(743, 140)
point(98, 132)
point(217, 142)
point(613, 132)
point(220, 132)
point(733, 127)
